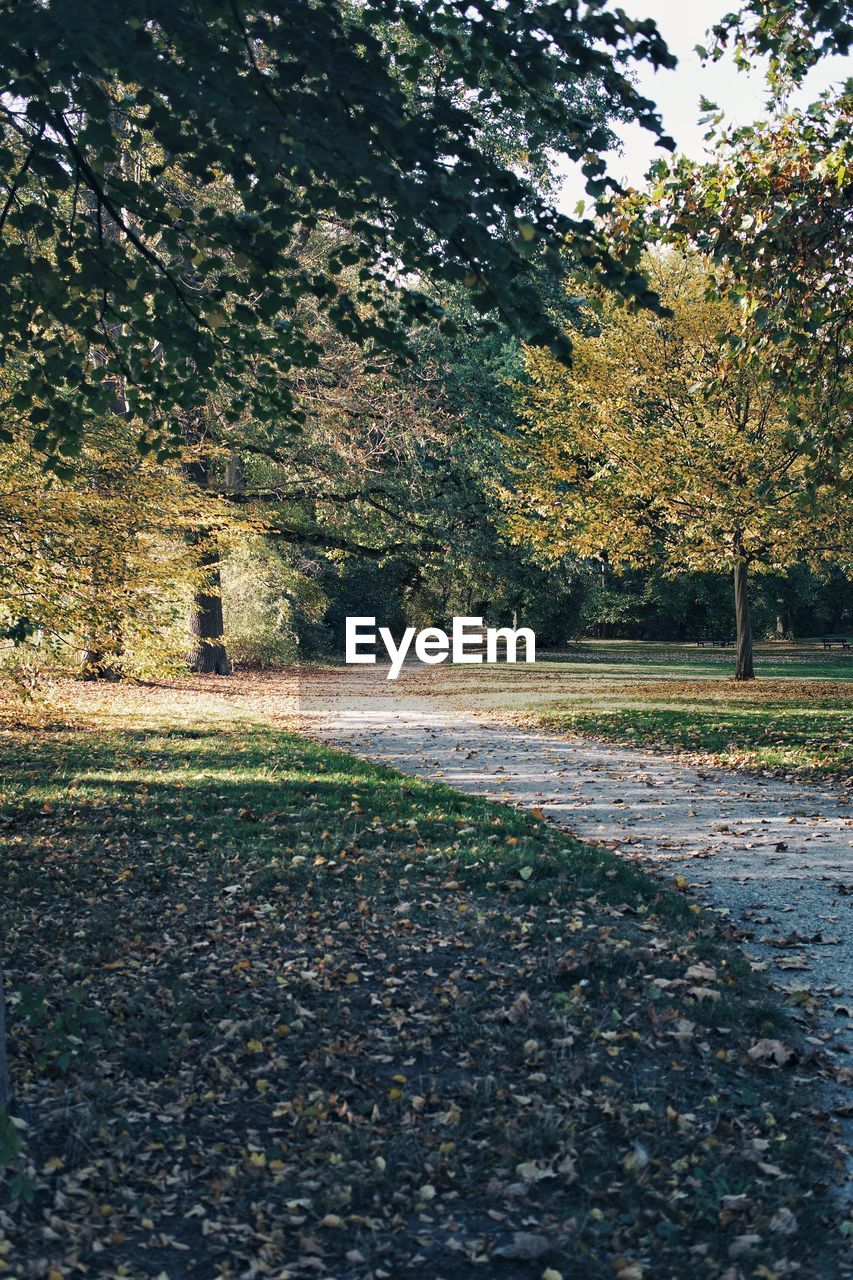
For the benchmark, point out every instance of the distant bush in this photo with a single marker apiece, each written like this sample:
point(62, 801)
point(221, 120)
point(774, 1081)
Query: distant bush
point(266, 599)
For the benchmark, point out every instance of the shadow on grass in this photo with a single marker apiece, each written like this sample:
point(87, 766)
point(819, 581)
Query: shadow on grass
point(388, 1018)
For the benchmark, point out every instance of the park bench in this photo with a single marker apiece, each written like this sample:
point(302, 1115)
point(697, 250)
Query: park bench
point(716, 642)
point(725, 643)
point(829, 641)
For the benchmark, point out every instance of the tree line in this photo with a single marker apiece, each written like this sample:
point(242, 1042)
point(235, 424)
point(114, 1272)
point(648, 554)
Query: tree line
point(286, 296)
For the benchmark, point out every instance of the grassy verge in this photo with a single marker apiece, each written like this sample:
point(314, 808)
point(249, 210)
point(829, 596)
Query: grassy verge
point(278, 1012)
point(796, 718)
point(791, 726)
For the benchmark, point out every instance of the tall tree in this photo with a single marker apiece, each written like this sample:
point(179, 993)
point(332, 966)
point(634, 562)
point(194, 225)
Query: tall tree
point(662, 446)
point(208, 653)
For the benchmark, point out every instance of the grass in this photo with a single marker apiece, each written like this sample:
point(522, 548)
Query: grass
point(276, 1011)
point(804, 659)
point(809, 733)
point(796, 718)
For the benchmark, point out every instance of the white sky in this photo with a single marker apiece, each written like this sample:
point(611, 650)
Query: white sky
point(683, 24)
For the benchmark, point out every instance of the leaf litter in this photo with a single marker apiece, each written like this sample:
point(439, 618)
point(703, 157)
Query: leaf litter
point(313, 1021)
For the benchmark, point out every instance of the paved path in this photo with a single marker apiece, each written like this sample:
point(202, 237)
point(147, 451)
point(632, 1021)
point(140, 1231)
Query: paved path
point(775, 854)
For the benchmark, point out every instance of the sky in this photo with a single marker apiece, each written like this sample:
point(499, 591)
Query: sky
point(683, 24)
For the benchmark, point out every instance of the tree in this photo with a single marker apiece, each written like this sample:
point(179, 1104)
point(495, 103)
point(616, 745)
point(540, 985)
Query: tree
point(101, 562)
point(771, 212)
point(794, 34)
point(379, 118)
point(194, 258)
point(662, 446)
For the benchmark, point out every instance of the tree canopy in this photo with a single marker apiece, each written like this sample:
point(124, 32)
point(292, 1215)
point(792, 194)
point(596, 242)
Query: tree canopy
point(222, 227)
point(794, 33)
point(661, 445)
point(377, 121)
point(773, 213)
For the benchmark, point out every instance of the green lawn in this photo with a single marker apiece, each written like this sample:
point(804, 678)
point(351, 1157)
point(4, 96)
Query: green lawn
point(803, 659)
point(274, 1006)
point(797, 716)
point(734, 730)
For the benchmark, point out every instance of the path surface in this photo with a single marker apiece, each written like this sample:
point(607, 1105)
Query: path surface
point(775, 854)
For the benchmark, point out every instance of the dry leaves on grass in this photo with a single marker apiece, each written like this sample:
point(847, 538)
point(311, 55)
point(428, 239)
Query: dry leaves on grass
point(336, 1037)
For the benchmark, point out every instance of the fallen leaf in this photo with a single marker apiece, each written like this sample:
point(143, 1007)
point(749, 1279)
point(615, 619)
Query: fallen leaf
point(742, 1244)
point(772, 1051)
point(783, 1222)
point(519, 1009)
point(526, 1246)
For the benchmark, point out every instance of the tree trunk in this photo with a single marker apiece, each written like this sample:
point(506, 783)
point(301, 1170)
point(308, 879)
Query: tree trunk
point(5, 1082)
point(781, 618)
point(234, 473)
point(208, 653)
point(105, 645)
point(744, 670)
point(102, 658)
